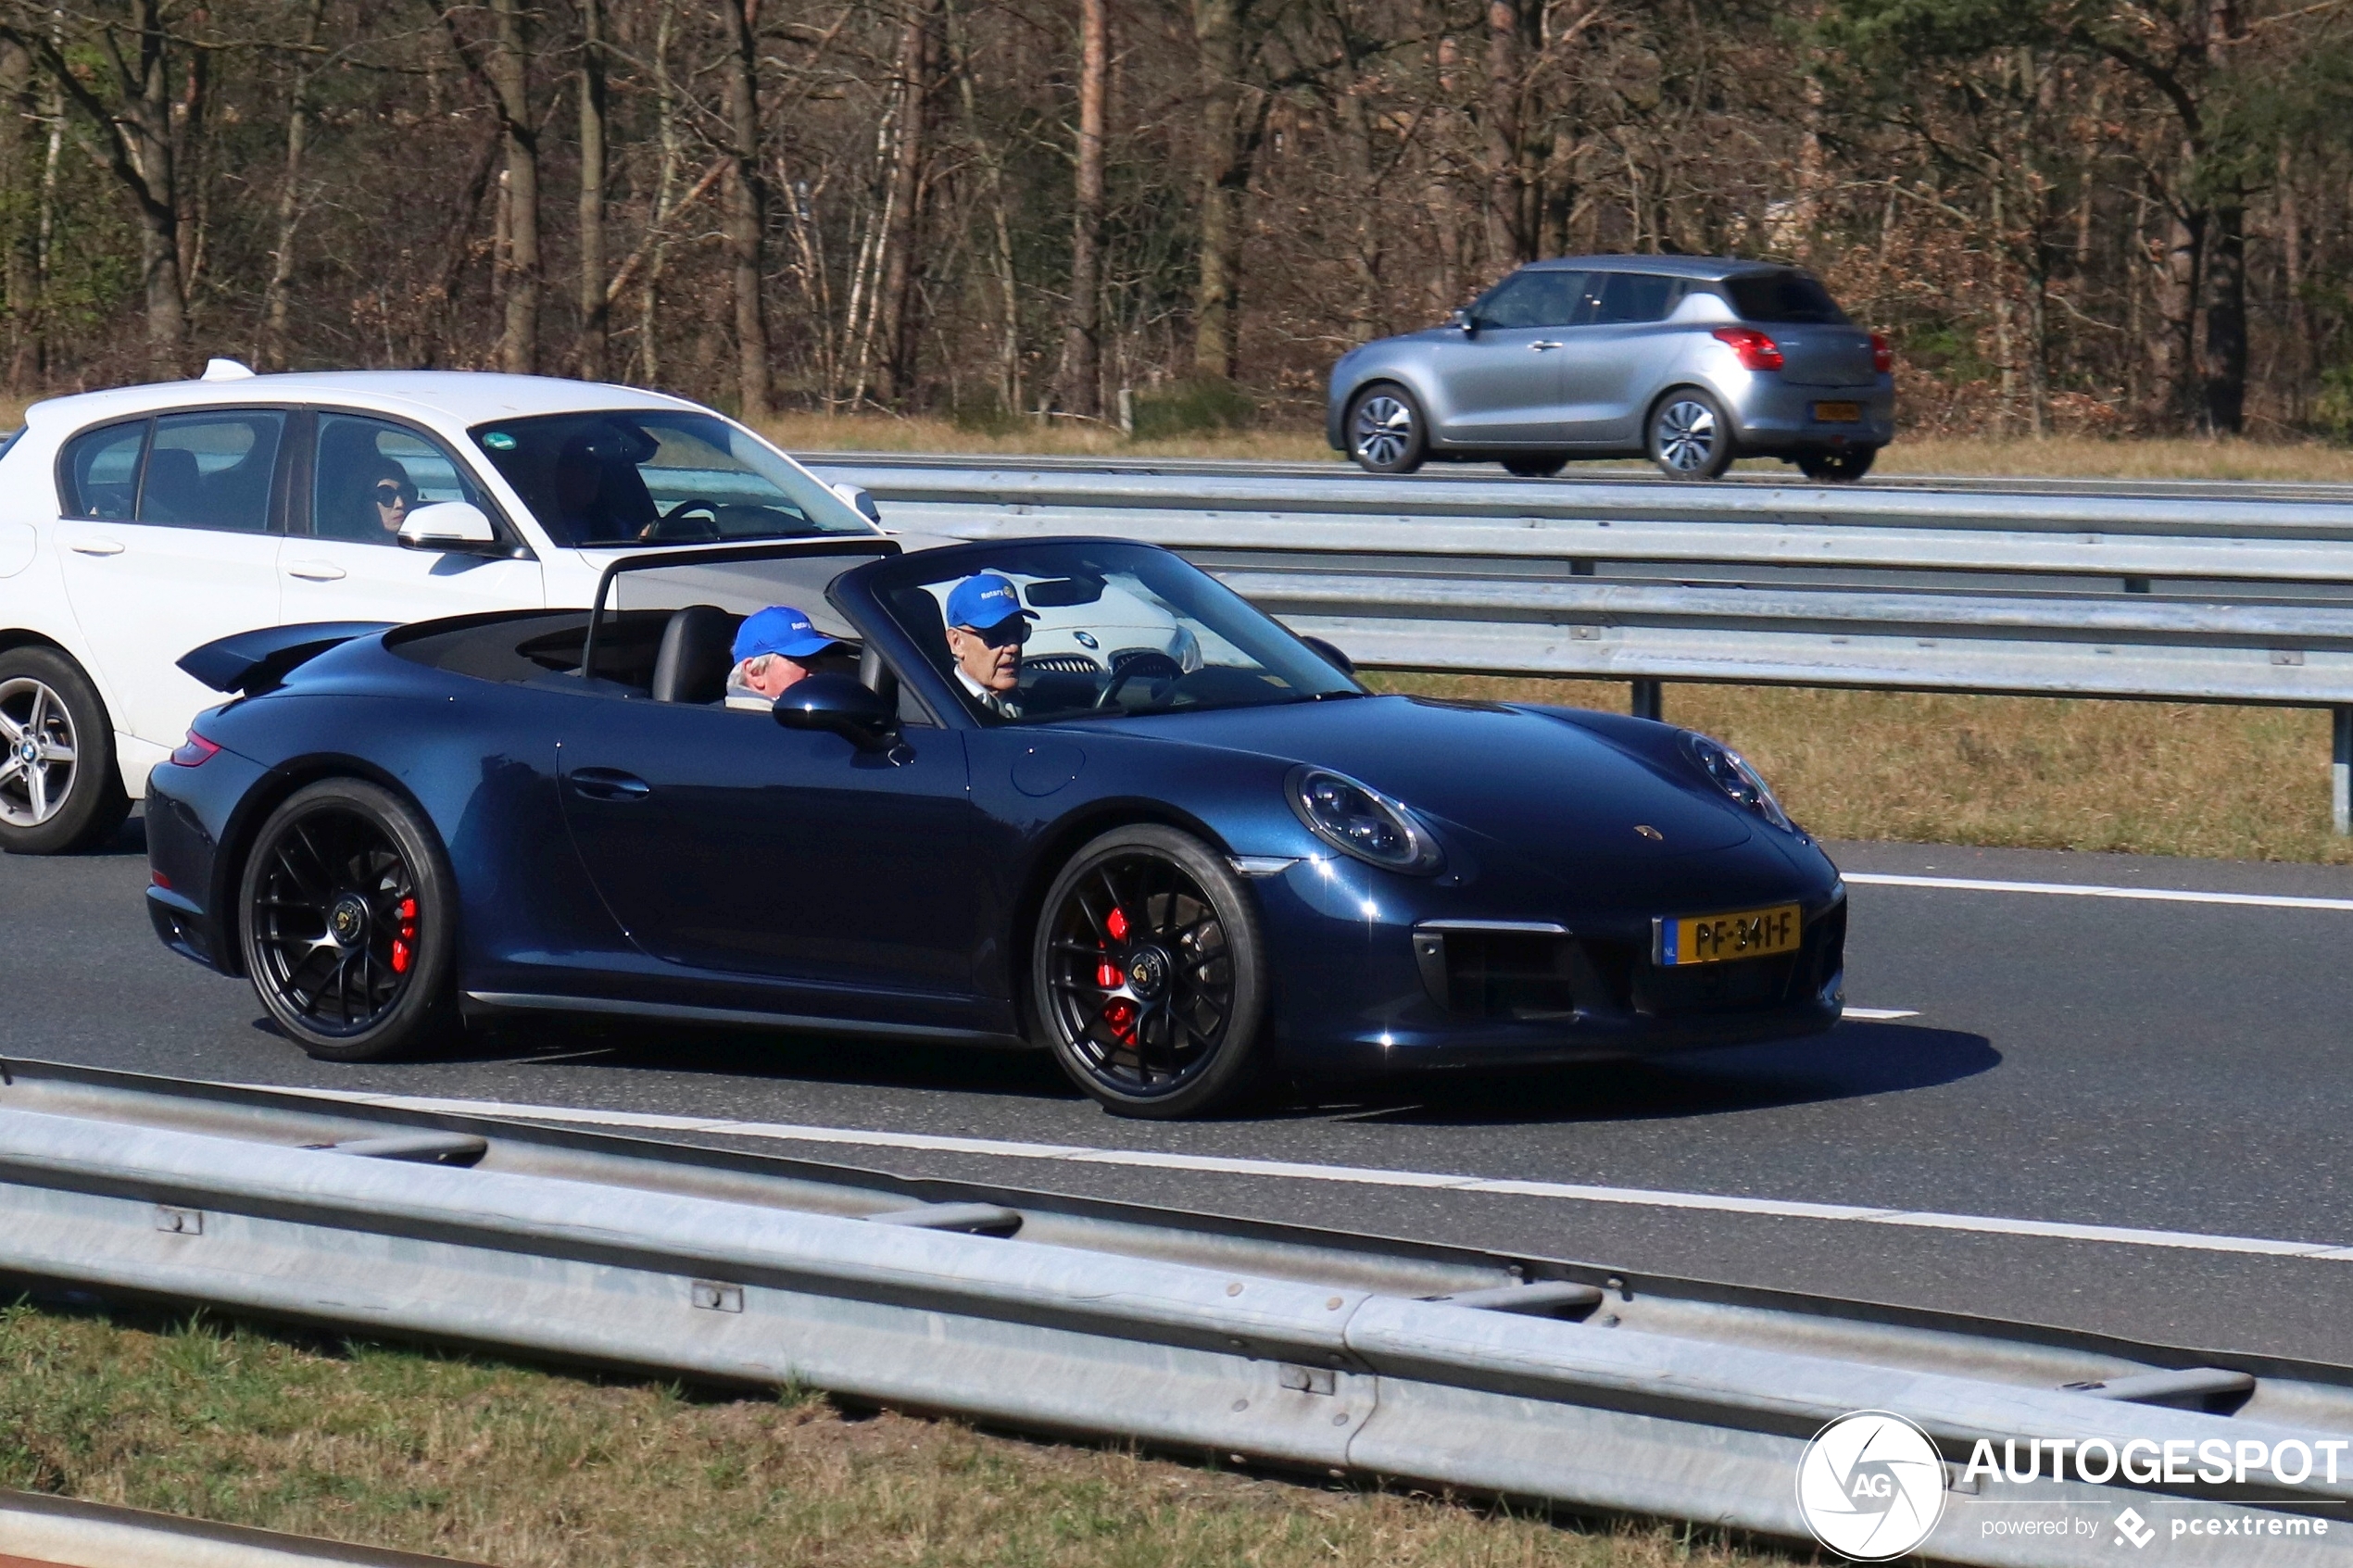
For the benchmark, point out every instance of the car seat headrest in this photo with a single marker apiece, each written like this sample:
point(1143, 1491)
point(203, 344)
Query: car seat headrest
point(697, 650)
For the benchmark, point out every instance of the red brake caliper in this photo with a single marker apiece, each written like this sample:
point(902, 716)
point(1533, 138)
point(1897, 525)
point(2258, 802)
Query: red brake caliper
point(1120, 1013)
point(404, 941)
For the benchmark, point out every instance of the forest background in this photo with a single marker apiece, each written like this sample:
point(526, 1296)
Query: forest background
point(2074, 217)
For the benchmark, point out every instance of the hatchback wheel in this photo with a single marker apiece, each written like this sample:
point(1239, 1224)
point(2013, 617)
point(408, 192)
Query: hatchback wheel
point(59, 788)
point(1843, 466)
point(348, 907)
point(1690, 438)
point(1536, 465)
point(1149, 973)
point(1385, 433)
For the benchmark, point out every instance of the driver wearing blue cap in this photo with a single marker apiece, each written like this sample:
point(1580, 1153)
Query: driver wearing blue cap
point(774, 647)
point(986, 627)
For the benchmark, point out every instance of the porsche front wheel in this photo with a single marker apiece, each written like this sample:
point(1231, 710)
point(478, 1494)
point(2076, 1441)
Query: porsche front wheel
point(1149, 973)
point(348, 906)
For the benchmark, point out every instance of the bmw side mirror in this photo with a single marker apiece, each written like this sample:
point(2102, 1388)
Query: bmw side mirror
point(840, 705)
point(448, 525)
point(1331, 654)
point(1464, 321)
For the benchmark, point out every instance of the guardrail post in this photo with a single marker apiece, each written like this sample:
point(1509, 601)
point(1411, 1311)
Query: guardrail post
point(2341, 771)
point(1649, 704)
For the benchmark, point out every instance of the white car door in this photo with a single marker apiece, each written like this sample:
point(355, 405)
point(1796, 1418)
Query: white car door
point(341, 557)
point(165, 534)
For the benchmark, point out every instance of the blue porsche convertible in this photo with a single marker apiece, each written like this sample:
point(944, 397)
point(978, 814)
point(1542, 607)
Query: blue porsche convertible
point(1069, 794)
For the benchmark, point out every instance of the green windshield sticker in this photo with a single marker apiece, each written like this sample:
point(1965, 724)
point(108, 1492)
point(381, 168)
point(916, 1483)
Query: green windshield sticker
point(499, 441)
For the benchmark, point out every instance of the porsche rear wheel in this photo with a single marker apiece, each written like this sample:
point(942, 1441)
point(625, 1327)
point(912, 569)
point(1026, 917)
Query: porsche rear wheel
point(1149, 973)
point(349, 905)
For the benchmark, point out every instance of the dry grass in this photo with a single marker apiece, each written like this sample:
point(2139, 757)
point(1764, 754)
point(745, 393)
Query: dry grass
point(875, 432)
point(517, 1466)
point(2039, 773)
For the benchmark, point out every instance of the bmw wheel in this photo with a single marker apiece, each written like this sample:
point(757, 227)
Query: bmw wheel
point(1690, 438)
point(1843, 466)
point(1385, 433)
point(348, 906)
point(59, 787)
point(1149, 973)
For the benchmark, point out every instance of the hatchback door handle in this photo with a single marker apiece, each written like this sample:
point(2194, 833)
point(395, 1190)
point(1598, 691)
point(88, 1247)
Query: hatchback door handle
point(1540, 345)
point(609, 783)
point(315, 570)
point(96, 547)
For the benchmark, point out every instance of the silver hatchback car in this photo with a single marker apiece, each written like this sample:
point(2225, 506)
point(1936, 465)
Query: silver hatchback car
point(1690, 362)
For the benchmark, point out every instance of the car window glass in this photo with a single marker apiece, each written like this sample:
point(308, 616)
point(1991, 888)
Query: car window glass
point(1781, 297)
point(1638, 297)
point(1532, 299)
point(100, 471)
point(369, 474)
point(212, 470)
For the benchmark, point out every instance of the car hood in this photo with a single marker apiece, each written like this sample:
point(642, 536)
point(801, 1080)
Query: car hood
point(1522, 780)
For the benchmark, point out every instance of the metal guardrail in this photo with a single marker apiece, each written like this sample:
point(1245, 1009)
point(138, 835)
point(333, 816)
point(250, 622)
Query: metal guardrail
point(1264, 1344)
point(2185, 597)
point(40, 1531)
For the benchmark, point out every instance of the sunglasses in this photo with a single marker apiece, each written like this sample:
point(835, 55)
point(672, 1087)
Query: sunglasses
point(1013, 630)
point(390, 495)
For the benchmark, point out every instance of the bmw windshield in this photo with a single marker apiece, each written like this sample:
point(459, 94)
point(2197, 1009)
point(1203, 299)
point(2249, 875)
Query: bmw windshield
point(1058, 631)
point(653, 476)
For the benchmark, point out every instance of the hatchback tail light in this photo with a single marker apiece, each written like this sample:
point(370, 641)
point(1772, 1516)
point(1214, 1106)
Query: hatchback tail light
point(1756, 351)
point(193, 751)
point(1882, 355)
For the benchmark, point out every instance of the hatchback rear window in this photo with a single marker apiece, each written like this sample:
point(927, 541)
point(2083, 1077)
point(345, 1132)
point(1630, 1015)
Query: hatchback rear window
point(1782, 296)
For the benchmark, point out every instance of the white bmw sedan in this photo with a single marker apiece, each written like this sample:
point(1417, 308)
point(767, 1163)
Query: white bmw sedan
point(138, 524)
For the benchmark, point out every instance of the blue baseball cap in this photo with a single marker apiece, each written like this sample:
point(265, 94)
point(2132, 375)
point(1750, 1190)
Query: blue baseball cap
point(780, 629)
point(983, 600)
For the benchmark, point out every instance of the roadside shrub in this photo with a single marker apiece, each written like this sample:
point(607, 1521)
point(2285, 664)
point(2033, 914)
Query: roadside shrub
point(1191, 408)
point(2333, 409)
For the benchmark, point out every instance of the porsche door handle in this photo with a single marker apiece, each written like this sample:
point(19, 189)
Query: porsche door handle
point(315, 570)
point(96, 547)
point(608, 783)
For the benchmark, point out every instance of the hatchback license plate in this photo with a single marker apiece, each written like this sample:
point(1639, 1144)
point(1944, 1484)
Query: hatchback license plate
point(1753, 933)
point(1838, 413)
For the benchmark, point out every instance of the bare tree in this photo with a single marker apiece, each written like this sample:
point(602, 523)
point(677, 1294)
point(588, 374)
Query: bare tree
point(1082, 382)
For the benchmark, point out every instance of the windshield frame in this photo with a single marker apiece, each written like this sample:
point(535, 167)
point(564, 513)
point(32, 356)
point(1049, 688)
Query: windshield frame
point(859, 596)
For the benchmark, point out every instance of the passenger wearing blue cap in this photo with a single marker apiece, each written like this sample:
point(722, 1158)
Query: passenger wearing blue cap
point(773, 650)
point(986, 626)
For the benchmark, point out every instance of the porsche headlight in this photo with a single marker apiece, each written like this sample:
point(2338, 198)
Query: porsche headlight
point(1359, 821)
point(1729, 771)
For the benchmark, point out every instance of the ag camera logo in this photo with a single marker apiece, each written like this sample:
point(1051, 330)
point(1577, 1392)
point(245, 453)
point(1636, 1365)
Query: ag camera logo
point(1871, 1486)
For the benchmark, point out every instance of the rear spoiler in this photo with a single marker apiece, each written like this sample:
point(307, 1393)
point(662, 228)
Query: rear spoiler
point(258, 662)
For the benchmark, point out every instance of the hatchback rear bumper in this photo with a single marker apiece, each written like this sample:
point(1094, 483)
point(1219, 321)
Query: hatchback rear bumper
point(1774, 418)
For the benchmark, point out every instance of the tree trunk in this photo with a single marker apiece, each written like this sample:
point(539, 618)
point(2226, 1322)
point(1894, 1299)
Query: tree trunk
point(273, 355)
point(2223, 378)
point(2299, 324)
point(1082, 337)
point(594, 312)
point(1217, 26)
point(19, 238)
point(746, 212)
point(509, 71)
point(2173, 334)
point(902, 235)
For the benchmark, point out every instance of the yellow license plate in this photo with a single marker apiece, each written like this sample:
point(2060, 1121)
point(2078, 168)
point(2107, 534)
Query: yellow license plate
point(1753, 934)
point(1838, 413)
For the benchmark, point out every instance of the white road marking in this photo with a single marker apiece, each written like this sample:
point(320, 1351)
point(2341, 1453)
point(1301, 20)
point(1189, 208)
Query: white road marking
point(1880, 1015)
point(2087, 890)
point(1355, 1175)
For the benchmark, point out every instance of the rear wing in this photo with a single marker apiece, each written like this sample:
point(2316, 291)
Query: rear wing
point(258, 662)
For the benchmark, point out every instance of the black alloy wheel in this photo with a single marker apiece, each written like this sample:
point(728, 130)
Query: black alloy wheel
point(347, 903)
point(61, 788)
point(1842, 466)
point(1385, 434)
point(1148, 976)
point(1535, 465)
point(1689, 437)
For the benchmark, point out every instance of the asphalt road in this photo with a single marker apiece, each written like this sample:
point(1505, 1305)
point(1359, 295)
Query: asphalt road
point(2152, 1063)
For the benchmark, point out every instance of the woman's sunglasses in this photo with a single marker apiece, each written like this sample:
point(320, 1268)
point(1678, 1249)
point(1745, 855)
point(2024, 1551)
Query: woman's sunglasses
point(389, 495)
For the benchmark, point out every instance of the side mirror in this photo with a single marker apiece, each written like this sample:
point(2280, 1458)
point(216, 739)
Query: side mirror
point(856, 498)
point(1464, 322)
point(1331, 654)
point(448, 525)
point(840, 705)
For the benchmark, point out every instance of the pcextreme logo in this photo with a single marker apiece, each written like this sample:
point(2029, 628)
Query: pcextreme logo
point(1871, 1486)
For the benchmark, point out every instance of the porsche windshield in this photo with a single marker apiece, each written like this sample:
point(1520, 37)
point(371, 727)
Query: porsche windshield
point(654, 476)
point(1052, 632)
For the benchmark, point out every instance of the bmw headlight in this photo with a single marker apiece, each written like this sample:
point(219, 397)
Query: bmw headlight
point(1360, 821)
point(1729, 771)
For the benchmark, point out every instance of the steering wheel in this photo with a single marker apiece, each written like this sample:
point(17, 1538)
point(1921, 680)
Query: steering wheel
point(1144, 666)
point(659, 527)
